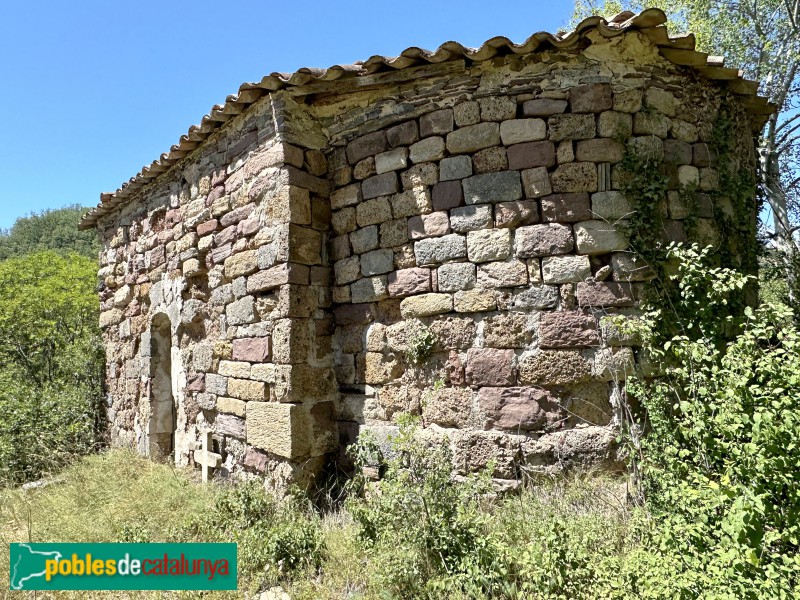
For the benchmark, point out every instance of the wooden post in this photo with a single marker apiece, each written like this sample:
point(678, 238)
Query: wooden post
point(205, 457)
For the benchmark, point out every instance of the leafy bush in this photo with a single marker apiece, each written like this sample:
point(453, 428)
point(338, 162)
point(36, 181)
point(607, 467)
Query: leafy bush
point(51, 363)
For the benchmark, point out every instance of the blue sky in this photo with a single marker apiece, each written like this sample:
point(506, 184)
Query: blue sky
point(94, 90)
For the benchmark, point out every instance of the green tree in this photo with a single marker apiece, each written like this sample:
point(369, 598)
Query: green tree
point(51, 362)
point(52, 229)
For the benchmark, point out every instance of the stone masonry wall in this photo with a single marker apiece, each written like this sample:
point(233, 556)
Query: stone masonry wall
point(303, 249)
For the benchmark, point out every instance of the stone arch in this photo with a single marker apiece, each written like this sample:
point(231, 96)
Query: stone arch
point(163, 413)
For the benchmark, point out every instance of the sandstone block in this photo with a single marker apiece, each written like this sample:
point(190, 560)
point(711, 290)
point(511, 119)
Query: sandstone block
point(688, 175)
point(555, 368)
point(599, 150)
point(393, 160)
point(476, 300)
point(449, 407)
point(487, 245)
point(427, 149)
point(590, 98)
point(566, 208)
point(490, 366)
point(369, 289)
point(251, 349)
point(467, 113)
point(518, 408)
point(567, 329)
point(406, 282)
point(531, 154)
point(615, 125)
point(231, 406)
point(426, 305)
point(419, 176)
point(394, 233)
point(366, 145)
point(292, 430)
point(565, 269)
point(611, 206)
point(629, 101)
point(677, 152)
point(245, 389)
point(453, 277)
point(404, 134)
point(683, 131)
point(455, 167)
point(231, 425)
point(344, 221)
point(347, 270)
point(436, 122)
point(364, 239)
point(442, 249)
point(543, 107)
point(509, 273)
point(651, 123)
point(516, 131)
point(571, 127)
point(613, 364)
point(473, 138)
point(470, 218)
point(216, 384)
point(661, 100)
point(349, 195)
point(381, 368)
point(377, 262)
point(507, 330)
point(497, 108)
point(430, 225)
point(490, 160)
point(536, 182)
point(605, 293)
point(598, 237)
point(575, 177)
point(513, 214)
point(379, 185)
point(453, 333)
point(241, 312)
point(535, 297)
point(242, 263)
point(543, 240)
point(412, 202)
point(492, 187)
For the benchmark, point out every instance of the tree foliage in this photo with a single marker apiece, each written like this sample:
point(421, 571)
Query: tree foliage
point(52, 229)
point(51, 362)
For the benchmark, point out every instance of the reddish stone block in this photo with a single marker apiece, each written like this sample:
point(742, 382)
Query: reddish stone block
point(196, 382)
point(605, 293)
point(568, 329)
point(406, 282)
point(490, 367)
point(207, 227)
point(566, 208)
point(531, 154)
point(519, 408)
point(590, 98)
point(255, 459)
point(251, 349)
point(447, 195)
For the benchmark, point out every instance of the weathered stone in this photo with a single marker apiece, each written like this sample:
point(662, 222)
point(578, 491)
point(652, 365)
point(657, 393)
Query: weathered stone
point(571, 127)
point(379, 185)
point(574, 177)
point(543, 107)
point(598, 237)
point(613, 364)
point(344, 221)
point(241, 312)
point(477, 300)
point(615, 125)
point(518, 408)
point(467, 113)
point(470, 218)
point(513, 214)
point(567, 329)
point(507, 330)
point(473, 138)
point(590, 98)
point(427, 149)
point(677, 152)
point(709, 180)
point(543, 240)
point(426, 305)
point(602, 293)
point(436, 122)
point(411, 202)
point(490, 366)
point(628, 101)
point(566, 208)
point(365, 168)
point(447, 194)
point(492, 187)
point(509, 273)
point(377, 262)
point(448, 407)
point(661, 100)
point(486, 245)
point(455, 167)
point(683, 131)
point(516, 131)
point(688, 176)
point(419, 176)
point(392, 160)
point(231, 406)
point(490, 160)
point(231, 425)
point(453, 333)
point(244, 389)
point(242, 263)
point(703, 155)
point(456, 276)
point(442, 249)
point(535, 297)
point(292, 430)
point(404, 134)
point(431, 225)
point(347, 270)
point(565, 269)
point(364, 239)
point(554, 367)
point(369, 289)
point(599, 150)
point(366, 145)
point(381, 368)
point(627, 266)
point(611, 206)
point(394, 233)
point(497, 108)
point(536, 182)
point(651, 123)
point(251, 349)
point(531, 154)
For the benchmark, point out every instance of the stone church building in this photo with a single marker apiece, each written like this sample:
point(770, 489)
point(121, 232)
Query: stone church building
point(440, 233)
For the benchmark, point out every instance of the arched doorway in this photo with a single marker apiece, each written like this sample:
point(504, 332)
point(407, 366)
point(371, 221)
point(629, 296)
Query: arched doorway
point(162, 400)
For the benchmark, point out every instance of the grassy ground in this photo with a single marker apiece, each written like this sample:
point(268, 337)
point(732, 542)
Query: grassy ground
point(118, 496)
